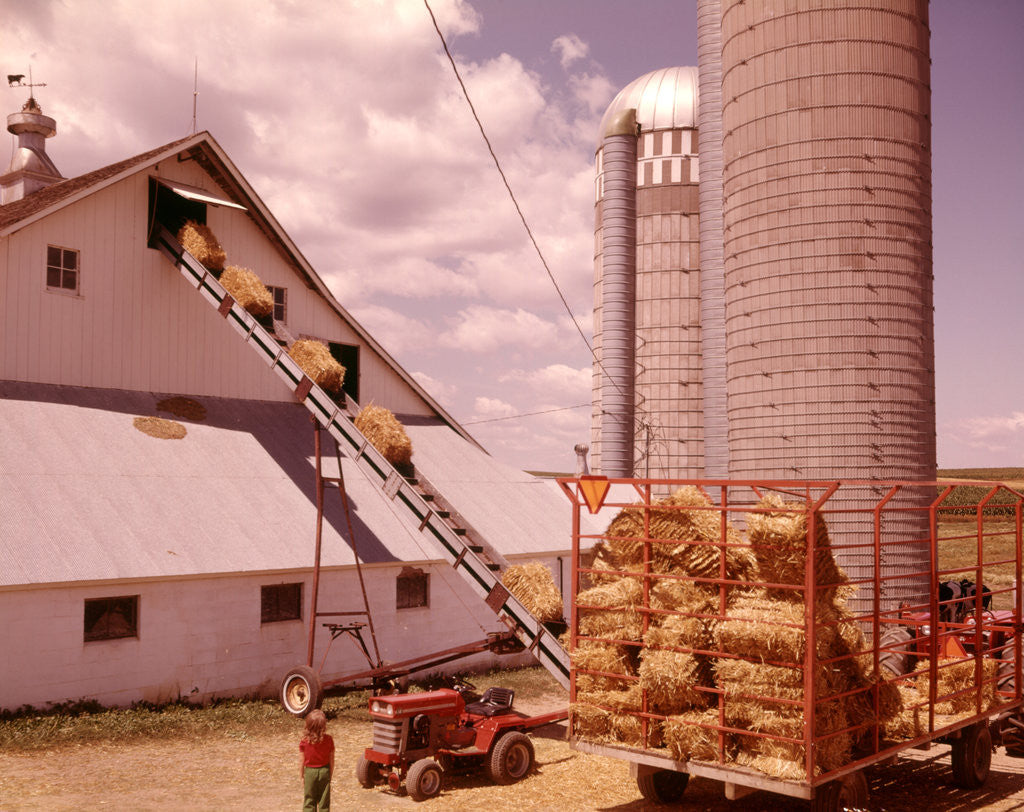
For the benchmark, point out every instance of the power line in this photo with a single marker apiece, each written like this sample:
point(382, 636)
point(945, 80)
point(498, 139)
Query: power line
point(525, 414)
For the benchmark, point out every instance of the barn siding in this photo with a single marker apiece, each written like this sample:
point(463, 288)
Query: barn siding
point(136, 325)
point(202, 638)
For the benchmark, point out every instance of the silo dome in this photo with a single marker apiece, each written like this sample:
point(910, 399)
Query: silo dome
point(664, 99)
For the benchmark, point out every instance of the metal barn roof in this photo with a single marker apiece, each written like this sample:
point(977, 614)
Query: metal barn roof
point(89, 497)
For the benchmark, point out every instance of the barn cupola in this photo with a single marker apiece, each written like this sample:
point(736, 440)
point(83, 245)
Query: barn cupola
point(31, 168)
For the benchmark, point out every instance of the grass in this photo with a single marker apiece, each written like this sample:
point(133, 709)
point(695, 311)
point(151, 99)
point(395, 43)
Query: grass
point(90, 723)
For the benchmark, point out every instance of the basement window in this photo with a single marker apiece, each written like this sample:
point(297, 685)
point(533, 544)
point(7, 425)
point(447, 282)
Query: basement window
point(412, 588)
point(348, 356)
point(280, 602)
point(111, 618)
point(61, 269)
point(280, 303)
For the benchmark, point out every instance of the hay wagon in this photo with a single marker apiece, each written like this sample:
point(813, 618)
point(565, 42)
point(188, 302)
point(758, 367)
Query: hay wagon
point(783, 636)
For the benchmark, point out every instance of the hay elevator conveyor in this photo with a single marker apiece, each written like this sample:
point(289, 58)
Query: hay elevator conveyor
point(337, 420)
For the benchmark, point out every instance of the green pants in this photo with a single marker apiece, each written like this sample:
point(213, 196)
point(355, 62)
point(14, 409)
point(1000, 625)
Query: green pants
point(317, 790)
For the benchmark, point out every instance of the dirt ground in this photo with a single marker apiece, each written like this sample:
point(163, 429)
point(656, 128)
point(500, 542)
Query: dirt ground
point(260, 772)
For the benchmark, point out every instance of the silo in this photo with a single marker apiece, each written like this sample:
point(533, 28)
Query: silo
point(827, 250)
point(661, 435)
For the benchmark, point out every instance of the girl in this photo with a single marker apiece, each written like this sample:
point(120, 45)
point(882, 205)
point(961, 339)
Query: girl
point(316, 763)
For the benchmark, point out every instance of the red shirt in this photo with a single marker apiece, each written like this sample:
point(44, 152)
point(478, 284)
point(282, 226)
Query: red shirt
point(319, 754)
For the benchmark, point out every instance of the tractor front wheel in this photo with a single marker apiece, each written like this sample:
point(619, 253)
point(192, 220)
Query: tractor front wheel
point(511, 759)
point(367, 773)
point(301, 691)
point(423, 780)
point(972, 756)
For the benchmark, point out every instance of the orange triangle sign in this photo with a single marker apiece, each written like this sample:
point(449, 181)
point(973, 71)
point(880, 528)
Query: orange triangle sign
point(950, 648)
point(594, 490)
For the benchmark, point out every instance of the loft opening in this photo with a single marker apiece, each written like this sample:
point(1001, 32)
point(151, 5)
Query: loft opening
point(172, 203)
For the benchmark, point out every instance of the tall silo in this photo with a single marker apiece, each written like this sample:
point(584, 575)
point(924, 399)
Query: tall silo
point(647, 282)
point(827, 250)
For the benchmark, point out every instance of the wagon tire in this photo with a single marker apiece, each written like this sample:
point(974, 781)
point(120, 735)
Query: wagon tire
point(511, 758)
point(972, 756)
point(424, 780)
point(662, 786)
point(367, 773)
point(301, 690)
point(848, 792)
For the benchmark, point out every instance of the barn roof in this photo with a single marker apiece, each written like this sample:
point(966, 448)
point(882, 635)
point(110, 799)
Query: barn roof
point(87, 496)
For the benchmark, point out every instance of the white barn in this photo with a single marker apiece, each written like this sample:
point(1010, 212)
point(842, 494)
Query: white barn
point(139, 567)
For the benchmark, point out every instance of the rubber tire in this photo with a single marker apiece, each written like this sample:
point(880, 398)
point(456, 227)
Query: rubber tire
point(663, 786)
point(848, 792)
point(511, 758)
point(301, 691)
point(424, 780)
point(972, 756)
point(367, 773)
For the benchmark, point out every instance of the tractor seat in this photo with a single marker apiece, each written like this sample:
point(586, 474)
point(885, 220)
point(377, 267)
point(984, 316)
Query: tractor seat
point(495, 701)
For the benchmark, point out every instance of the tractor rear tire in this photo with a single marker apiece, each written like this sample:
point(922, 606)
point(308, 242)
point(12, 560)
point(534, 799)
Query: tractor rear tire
point(662, 786)
point(972, 756)
point(301, 691)
point(511, 758)
point(367, 773)
point(424, 780)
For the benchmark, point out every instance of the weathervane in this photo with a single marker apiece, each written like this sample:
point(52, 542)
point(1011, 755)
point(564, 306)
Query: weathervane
point(17, 80)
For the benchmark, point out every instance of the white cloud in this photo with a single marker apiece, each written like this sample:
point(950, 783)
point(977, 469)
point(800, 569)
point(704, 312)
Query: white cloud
point(556, 382)
point(569, 48)
point(479, 328)
point(442, 391)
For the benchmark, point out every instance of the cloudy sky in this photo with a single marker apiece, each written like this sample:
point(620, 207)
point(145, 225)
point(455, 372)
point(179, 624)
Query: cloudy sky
point(345, 117)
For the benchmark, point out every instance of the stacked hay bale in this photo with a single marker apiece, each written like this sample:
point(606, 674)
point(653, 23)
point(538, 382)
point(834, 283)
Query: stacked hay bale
point(200, 242)
point(953, 677)
point(654, 622)
point(534, 586)
point(386, 434)
point(763, 640)
point(248, 290)
point(315, 359)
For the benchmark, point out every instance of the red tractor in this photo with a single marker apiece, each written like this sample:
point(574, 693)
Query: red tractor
point(422, 737)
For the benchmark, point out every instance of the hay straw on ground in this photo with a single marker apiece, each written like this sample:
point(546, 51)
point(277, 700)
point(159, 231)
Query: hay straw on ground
point(182, 407)
point(201, 243)
point(778, 537)
point(160, 428)
point(247, 289)
point(385, 433)
point(315, 359)
point(534, 586)
point(686, 739)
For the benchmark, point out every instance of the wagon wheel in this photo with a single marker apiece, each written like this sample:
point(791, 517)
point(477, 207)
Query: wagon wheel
point(301, 691)
point(662, 786)
point(848, 792)
point(423, 780)
point(511, 759)
point(972, 756)
point(367, 773)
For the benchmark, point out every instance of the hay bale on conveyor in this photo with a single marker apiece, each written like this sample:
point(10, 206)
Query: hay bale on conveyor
point(247, 289)
point(316, 361)
point(534, 586)
point(200, 242)
point(385, 433)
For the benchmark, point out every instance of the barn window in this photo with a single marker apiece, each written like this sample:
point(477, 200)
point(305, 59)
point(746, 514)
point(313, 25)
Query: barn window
point(280, 303)
point(413, 588)
point(348, 356)
point(61, 269)
point(111, 618)
point(280, 602)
